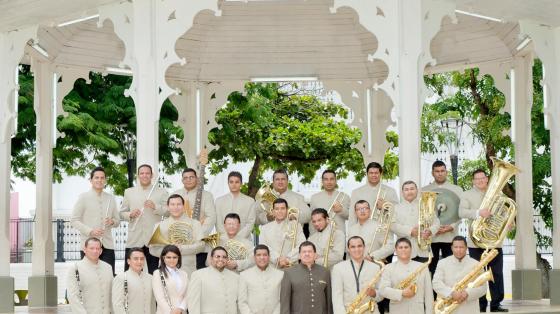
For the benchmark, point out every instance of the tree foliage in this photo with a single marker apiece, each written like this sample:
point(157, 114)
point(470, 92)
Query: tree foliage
point(98, 119)
point(273, 128)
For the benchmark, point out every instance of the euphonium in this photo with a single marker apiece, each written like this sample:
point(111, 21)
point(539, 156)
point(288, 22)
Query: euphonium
point(490, 232)
point(475, 278)
point(413, 277)
point(266, 195)
point(426, 215)
point(358, 306)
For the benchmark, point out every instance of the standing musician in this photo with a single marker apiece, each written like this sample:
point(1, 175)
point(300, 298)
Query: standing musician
point(95, 214)
point(236, 202)
point(259, 286)
point(132, 290)
point(207, 218)
point(407, 283)
point(143, 206)
point(352, 276)
point(453, 269)
point(367, 229)
point(441, 242)
point(180, 230)
point(374, 192)
point(306, 287)
point(328, 241)
point(280, 188)
point(214, 289)
point(337, 203)
point(89, 281)
point(406, 223)
point(238, 247)
point(170, 283)
point(471, 210)
point(282, 235)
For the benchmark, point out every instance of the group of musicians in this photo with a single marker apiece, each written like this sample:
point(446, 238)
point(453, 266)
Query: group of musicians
point(189, 252)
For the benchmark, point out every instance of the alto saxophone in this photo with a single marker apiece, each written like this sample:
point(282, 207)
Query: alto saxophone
point(475, 278)
point(410, 281)
point(358, 306)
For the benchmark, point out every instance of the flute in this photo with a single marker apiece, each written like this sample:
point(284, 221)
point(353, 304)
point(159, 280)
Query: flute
point(147, 198)
point(106, 214)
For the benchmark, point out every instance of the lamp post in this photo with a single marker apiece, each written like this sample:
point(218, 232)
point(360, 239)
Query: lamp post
point(453, 128)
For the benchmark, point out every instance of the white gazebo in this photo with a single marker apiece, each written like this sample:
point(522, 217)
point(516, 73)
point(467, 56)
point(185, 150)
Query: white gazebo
point(374, 53)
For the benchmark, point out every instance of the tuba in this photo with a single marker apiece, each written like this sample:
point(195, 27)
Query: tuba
point(265, 197)
point(476, 278)
point(426, 215)
point(180, 232)
point(490, 232)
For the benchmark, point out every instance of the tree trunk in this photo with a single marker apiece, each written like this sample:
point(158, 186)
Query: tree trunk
point(508, 190)
point(253, 176)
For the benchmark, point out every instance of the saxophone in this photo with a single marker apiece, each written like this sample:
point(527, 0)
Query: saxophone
point(426, 215)
point(490, 232)
point(413, 277)
point(475, 278)
point(358, 306)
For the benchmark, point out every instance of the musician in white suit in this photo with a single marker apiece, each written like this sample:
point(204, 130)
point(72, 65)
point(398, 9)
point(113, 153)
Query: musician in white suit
point(336, 202)
point(214, 289)
point(132, 290)
point(352, 276)
point(407, 301)
point(259, 286)
point(451, 270)
point(170, 283)
point(236, 202)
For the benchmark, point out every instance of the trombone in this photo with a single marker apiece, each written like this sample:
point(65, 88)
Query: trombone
point(336, 199)
point(381, 193)
point(291, 232)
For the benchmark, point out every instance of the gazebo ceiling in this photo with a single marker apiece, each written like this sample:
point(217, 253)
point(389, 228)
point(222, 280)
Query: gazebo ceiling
point(286, 38)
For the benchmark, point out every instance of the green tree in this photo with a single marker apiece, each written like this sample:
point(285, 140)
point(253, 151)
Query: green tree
point(274, 128)
point(99, 117)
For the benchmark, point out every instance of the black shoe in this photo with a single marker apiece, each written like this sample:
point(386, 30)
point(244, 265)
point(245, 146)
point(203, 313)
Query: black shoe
point(498, 308)
point(482, 310)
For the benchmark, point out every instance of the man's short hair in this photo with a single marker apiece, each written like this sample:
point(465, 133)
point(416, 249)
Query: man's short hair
point(375, 165)
point(92, 173)
point(459, 238)
point(92, 239)
point(353, 238)
point(361, 202)
point(172, 196)
point(437, 164)
point(280, 201)
point(261, 247)
point(328, 171)
point(232, 216)
point(134, 249)
point(479, 170)
point(188, 170)
point(307, 243)
point(320, 211)
point(145, 166)
point(407, 183)
point(279, 171)
point(236, 174)
point(401, 240)
point(218, 248)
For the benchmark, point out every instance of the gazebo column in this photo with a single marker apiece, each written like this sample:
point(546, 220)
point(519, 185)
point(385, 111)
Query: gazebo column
point(546, 41)
point(526, 278)
point(11, 50)
point(149, 30)
point(185, 102)
point(43, 283)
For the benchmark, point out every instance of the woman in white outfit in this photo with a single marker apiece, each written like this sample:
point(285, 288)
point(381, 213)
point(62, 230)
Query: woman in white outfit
point(170, 283)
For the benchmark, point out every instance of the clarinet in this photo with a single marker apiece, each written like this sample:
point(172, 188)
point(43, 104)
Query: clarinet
point(125, 294)
point(165, 293)
point(77, 275)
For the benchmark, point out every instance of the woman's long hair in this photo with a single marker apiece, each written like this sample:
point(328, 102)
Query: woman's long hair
point(168, 248)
